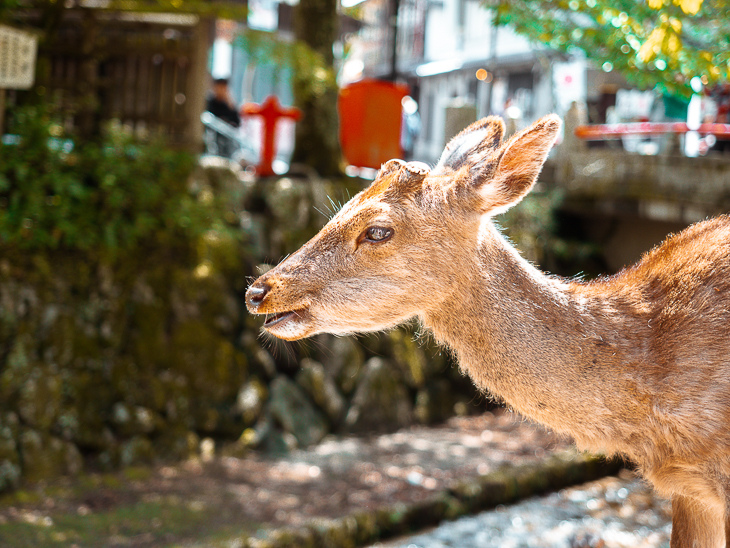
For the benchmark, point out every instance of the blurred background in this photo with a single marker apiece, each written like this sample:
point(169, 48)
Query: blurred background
point(158, 155)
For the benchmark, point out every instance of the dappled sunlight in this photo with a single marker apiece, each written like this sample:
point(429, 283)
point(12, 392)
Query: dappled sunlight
point(614, 512)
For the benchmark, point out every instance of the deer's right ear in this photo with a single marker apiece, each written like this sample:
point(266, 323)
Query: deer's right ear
point(518, 165)
point(497, 176)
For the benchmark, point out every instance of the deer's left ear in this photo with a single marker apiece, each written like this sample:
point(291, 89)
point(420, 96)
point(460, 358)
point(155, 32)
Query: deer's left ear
point(517, 166)
point(472, 146)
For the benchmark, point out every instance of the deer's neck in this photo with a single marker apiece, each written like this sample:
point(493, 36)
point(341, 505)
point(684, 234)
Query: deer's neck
point(547, 348)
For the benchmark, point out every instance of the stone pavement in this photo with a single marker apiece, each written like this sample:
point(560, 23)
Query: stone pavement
point(377, 488)
point(614, 512)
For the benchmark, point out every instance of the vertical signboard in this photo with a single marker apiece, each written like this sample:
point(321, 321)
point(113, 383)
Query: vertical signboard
point(17, 63)
point(17, 58)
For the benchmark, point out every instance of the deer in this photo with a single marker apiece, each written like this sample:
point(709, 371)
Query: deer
point(636, 364)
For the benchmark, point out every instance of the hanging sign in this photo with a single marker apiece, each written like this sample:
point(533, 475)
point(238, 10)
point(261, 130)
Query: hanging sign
point(17, 58)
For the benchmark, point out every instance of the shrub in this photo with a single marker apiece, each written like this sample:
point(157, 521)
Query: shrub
point(107, 198)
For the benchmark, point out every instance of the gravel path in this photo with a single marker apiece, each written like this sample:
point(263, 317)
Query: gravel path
point(254, 493)
point(342, 475)
point(615, 512)
point(227, 497)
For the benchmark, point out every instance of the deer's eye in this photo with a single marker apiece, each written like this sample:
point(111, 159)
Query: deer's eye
point(377, 234)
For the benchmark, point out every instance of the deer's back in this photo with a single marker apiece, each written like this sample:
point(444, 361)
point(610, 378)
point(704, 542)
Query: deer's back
point(684, 287)
point(678, 299)
point(681, 288)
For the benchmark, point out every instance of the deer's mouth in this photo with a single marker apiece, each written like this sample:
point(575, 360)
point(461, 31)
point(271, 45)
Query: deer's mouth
point(290, 324)
point(279, 317)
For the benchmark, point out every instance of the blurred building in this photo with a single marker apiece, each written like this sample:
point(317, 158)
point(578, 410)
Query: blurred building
point(254, 54)
point(457, 63)
point(146, 71)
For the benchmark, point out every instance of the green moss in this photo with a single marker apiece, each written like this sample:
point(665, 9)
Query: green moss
point(9, 459)
point(157, 521)
point(409, 357)
point(135, 451)
point(39, 398)
point(211, 363)
point(43, 456)
point(137, 473)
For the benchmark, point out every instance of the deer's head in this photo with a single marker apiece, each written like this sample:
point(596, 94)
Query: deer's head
point(404, 245)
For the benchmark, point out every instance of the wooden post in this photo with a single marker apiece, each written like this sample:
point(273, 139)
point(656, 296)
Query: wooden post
point(198, 84)
point(393, 23)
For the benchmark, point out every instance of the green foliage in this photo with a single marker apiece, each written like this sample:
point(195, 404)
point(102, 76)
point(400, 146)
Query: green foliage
point(651, 42)
point(109, 197)
point(230, 9)
point(6, 7)
point(158, 520)
point(312, 74)
point(531, 225)
point(315, 92)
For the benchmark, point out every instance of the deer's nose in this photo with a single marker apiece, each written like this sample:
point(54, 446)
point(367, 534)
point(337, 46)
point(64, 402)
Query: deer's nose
point(256, 294)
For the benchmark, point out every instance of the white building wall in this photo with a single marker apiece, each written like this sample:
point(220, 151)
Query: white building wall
point(458, 34)
point(447, 38)
point(511, 43)
point(440, 37)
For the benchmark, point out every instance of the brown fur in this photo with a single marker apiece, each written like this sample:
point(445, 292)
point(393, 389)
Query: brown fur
point(636, 364)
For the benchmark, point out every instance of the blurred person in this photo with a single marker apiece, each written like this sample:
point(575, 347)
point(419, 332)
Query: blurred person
point(220, 104)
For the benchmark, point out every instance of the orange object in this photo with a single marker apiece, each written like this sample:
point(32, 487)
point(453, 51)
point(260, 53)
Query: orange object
point(370, 122)
point(271, 111)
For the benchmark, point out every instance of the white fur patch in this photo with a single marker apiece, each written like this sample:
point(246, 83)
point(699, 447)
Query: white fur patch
point(459, 147)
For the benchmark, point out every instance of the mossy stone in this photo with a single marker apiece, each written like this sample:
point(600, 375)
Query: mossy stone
point(435, 402)
point(296, 413)
point(321, 389)
point(409, 357)
point(381, 401)
point(39, 399)
point(342, 360)
point(137, 450)
point(10, 470)
point(44, 456)
point(131, 420)
point(250, 401)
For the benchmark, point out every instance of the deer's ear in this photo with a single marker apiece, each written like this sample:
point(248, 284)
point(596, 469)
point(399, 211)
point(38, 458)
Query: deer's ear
point(517, 165)
point(472, 146)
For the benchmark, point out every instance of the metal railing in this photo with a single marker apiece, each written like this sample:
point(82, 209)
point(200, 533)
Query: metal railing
point(222, 139)
point(617, 131)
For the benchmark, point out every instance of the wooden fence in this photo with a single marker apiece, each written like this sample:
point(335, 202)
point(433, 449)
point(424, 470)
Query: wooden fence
point(147, 72)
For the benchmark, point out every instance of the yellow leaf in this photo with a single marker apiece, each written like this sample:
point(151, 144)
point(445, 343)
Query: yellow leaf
point(655, 4)
point(650, 48)
point(690, 7)
point(672, 45)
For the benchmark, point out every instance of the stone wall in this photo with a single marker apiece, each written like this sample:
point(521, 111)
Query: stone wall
point(109, 364)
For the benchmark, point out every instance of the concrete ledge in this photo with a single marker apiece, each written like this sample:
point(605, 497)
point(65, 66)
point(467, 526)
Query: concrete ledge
point(504, 486)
